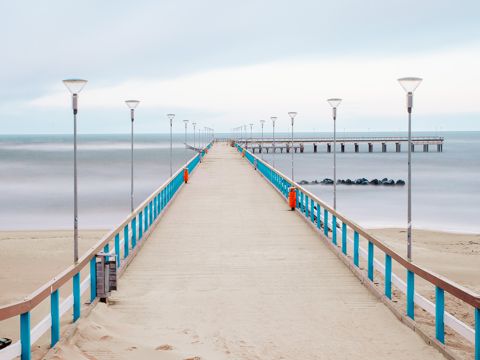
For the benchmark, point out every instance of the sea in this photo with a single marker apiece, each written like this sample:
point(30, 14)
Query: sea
point(36, 179)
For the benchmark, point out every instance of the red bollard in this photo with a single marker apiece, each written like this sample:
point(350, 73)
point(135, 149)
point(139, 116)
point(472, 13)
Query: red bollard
point(185, 175)
point(292, 198)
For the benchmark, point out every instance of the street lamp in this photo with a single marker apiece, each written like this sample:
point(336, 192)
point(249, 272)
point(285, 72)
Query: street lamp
point(186, 123)
point(170, 117)
point(75, 86)
point(262, 122)
point(273, 118)
point(334, 103)
point(292, 115)
point(132, 104)
point(409, 84)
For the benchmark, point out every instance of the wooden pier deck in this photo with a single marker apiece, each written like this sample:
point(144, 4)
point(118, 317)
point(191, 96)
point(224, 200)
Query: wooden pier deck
point(230, 273)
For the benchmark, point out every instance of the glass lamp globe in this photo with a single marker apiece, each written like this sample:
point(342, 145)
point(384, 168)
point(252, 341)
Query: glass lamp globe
point(273, 118)
point(334, 102)
point(171, 116)
point(74, 85)
point(292, 114)
point(132, 104)
point(409, 84)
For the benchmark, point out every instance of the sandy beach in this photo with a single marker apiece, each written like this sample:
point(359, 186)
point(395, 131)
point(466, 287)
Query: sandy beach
point(455, 256)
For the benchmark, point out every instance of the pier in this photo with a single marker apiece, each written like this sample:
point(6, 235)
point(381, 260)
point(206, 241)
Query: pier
point(345, 144)
point(219, 267)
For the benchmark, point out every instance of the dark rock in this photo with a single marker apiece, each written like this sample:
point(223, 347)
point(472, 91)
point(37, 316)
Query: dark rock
point(388, 182)
point(375, 182)
point(303, 182)
point(327, 181)
point(400, 182)
point(348, 182)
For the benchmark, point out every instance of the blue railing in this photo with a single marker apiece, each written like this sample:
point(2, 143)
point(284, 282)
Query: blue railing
point(328, 223)
point(122, 243)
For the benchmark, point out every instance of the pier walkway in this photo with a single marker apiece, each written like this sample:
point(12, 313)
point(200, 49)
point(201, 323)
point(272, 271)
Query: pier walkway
point(230, 273)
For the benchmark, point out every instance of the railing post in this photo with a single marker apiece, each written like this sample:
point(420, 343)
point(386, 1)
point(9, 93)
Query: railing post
point(125, 242)
point(477, 334)
point(439, 314)
point(370, 260)
point(117, 249)
point(334, 229)
point(319, 222)
point(297, 196)
point(134, 232)
point(55, 316)
point(356, 244)
point(93, 279)
point(150, 211)
point(25, 336)
point(140, 227)
point(312, 211)
point(344, 238)
point(76, 297)
point(388, 276)
point(145, 223)
point(410, 294)
point(325, 222)
point(106, 250)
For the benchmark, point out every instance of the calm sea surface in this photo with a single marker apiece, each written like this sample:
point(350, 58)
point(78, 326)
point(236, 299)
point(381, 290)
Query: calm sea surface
point(36, 180)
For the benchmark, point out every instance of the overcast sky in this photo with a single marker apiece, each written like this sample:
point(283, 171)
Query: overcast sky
point(226, 63)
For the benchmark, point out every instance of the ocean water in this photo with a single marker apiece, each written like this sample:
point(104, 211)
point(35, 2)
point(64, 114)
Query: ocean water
point(445, 185)
point(36, 180)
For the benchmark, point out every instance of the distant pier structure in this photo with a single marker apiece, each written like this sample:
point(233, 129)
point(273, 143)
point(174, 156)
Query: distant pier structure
point(396, 144)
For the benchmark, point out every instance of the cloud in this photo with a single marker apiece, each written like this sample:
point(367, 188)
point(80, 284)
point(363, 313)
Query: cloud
point(367, 84)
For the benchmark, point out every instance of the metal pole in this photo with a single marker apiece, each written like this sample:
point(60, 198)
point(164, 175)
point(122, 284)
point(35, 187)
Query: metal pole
point(409, 210)
point(194, 144)
point(131, 161)
point(334, 158)
point(75, 196)
point(293, 179)
point(273, 156)
point(186, 141)
point(171, 172)
point(262, 140)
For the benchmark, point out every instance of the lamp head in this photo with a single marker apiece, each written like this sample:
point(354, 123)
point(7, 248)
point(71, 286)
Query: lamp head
point(409, 84)
point(273, 118)
point(334, 102)
point(170, 116)
point(262, 122)
point(132, 104)
point(292, 114)
point(74, 85)
point(185, 121)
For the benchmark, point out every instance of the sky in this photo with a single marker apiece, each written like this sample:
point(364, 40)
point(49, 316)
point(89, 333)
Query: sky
point(227, 63)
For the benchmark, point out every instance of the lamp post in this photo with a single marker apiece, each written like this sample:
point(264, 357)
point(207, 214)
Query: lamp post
point(194, 144)
point(292, 115)
point(170, 117)
point(409, 84)
point(262, 122)
point(334, 103)
point(75, 86)
point(132, 104)
point(273, 118)
point(186, 123)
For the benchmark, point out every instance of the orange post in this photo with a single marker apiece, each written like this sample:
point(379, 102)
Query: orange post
point(243, 153)
point(292, 198)
point(185, 175)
